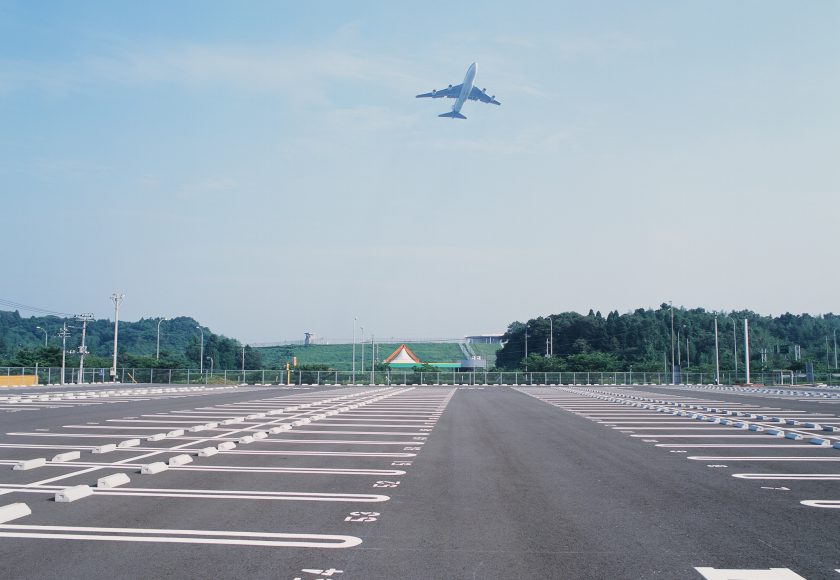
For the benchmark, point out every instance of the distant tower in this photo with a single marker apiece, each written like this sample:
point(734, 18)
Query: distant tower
point(310, 339)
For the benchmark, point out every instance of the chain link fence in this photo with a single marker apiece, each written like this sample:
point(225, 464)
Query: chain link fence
point(126, 375)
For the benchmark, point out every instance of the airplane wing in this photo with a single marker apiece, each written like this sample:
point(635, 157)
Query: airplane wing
point(481, 95)
point(450, 92)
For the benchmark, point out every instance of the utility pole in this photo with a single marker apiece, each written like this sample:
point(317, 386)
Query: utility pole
point(82, 349)
point(717, 355)
point(835, 348)
point(201, 352)
point(157, 350)
point(63, 334)
point(679, 352)
point(747, 351)
point(117, 298)
point(673, 363)
point(363, 348)
point(547, 354)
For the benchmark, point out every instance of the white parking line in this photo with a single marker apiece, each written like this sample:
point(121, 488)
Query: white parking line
point(822, 503)
point(227, 468)
point(273, 540)
point(761, 458)
point(211, 493)
point(789, 446)
point(792, 476)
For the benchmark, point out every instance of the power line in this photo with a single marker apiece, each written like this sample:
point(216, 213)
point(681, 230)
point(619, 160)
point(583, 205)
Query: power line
point(19, 306)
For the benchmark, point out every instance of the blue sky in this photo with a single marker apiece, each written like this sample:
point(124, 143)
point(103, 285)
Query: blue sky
point(265, 167)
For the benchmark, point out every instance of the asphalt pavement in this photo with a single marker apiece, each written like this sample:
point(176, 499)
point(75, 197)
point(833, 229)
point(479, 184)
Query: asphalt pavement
point(419, 482)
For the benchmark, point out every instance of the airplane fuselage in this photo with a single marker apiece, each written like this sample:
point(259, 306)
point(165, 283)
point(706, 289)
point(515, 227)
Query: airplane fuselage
point(466, 89)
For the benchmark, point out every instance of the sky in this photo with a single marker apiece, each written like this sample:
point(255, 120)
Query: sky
point(265, 168)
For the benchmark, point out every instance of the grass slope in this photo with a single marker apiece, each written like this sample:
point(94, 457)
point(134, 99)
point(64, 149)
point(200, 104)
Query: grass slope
point(487, 352)
point(340, 356)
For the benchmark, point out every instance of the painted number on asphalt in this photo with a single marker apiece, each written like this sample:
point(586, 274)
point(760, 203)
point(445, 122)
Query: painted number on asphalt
point(386, 484)
point(362, 517)
point(321, 574)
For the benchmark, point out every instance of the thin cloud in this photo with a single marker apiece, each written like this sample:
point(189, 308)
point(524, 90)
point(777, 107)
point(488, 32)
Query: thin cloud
point(289, 71)
point(526, 142)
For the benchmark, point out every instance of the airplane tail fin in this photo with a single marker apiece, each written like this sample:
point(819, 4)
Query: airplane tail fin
point(453, 115)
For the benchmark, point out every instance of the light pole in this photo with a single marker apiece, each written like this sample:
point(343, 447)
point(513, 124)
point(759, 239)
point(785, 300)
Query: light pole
point(117, 298)
point(735, 345)
point(526, 348)
point(673, 362)
point(835, 348)
point(201, 352)
point(157, 350)
point(679, 351)
point(45, 335)
point(372, 359)
point(717, 355)
point(363, 348)
point(353, 378)
point(551, 336)
point(747, 351)
point(243, 365)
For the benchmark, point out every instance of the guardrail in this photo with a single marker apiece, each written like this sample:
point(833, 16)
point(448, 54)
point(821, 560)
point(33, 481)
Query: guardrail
point(52, 375)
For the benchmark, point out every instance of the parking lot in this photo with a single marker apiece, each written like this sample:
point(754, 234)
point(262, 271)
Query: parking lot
point(419, 482)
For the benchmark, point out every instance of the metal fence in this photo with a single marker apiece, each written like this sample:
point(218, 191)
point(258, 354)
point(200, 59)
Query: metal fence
point(52, 376)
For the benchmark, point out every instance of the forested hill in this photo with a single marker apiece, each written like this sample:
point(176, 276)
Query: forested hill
point(21, 342)
point(642, 339)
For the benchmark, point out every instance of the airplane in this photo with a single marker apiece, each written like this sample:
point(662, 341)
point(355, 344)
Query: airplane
point(461, 93)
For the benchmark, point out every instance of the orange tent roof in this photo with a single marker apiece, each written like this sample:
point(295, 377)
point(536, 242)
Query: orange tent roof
point(400, 349)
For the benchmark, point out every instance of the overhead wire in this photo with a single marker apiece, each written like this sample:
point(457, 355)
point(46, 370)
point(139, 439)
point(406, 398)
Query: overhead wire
point(27, 308)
